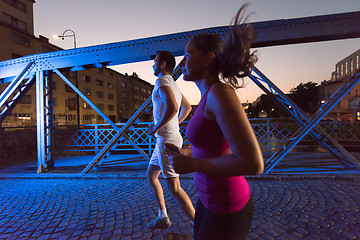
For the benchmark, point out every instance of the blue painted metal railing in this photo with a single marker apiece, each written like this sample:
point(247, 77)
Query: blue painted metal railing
point(271, 134)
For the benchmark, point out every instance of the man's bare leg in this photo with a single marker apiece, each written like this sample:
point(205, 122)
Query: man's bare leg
point(181, 196)
point(152, 176)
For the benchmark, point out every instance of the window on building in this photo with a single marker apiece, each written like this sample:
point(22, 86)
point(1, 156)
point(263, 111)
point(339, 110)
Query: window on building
point(123, 95)
point(333, 76)
point(357, 62)
point(26, 99)
point(70, 103)
point(21, 6)
point(123, 84)
point(149, 91)
point(122, 107)
point(16, 4)
point(87, 117)
point(22, 116)
point(21, 25)
point(99, 82)
point(111, 107)
point(100, 106)
point(342, 70)
point(70, 117)
point(86, 78)
point(72, 74)
point(99, 94)
point(86, 91)
point(137, 97)
point(68, 89)
point(7, 18)
point(111, 96)
point(346, 68)
point(110, 75)
point(86, 105)
point(99, 71)
point(20, 40)
point(351, 65)
point(14, 21)
point(68, 74)
point(137, 88)
point(110, 85)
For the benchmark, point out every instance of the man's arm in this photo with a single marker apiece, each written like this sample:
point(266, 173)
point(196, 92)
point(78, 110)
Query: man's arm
point(185, 109)
point(168, 98)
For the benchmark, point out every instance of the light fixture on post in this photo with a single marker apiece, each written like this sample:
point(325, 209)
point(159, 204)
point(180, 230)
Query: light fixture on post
point(63, 36)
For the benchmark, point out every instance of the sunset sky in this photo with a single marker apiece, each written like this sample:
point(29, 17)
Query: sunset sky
point(98, 22)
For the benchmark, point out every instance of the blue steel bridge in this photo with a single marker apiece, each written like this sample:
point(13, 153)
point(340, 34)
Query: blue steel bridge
point(22, 73)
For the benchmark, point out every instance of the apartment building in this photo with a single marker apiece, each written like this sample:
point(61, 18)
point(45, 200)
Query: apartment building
point(115, 94)
point(348, 109)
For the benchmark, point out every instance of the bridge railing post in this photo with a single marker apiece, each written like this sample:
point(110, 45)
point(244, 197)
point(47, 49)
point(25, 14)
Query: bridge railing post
point(96, 133)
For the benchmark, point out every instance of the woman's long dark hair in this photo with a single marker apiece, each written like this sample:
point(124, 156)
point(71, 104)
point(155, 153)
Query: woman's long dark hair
point(233, 57)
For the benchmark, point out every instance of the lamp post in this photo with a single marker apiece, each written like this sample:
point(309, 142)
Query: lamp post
point(63, 36)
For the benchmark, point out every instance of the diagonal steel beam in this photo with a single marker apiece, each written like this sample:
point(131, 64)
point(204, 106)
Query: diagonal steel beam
point(15, 83)
point(320, 114)
point(87, 100)
point(104, 153)
point(318, 133)
point(11, 104)
point(122, 133)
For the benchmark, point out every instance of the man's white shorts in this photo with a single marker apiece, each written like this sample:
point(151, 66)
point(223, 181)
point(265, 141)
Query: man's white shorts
point(160, 158)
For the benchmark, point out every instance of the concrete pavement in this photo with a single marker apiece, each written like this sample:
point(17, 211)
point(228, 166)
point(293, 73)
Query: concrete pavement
point(117, 204)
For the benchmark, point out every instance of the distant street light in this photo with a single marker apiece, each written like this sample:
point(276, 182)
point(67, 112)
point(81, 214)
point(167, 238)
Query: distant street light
point(63, 36)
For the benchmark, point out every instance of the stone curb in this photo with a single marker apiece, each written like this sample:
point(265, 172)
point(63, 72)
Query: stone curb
point(287, 177)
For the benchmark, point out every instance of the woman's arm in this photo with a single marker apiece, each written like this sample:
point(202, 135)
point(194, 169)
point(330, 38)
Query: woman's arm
point(224, 107)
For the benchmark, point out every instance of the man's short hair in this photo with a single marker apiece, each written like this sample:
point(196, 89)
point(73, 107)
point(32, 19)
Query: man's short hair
point(169, 59)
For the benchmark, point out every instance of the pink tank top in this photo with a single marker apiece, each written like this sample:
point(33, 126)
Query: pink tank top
point(218, 194)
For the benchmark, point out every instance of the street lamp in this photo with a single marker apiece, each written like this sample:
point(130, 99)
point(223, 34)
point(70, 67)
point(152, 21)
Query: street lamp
point(63, 36)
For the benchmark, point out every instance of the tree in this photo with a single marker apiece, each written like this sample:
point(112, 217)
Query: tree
point(304, 95)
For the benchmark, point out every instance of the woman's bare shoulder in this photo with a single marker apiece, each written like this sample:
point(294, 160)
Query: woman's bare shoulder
point(222, 90)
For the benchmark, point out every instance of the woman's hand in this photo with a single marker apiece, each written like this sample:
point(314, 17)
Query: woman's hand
point(182, 164)
point(172, 149)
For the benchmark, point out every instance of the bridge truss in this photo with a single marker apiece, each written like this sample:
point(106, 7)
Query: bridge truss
point(22, 73)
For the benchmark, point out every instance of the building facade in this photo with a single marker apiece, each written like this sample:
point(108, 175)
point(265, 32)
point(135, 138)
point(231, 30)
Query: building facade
point(348, 109)
point(115, 94)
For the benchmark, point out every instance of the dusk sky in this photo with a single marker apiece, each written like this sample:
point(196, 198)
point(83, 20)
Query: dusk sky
point(99, 22)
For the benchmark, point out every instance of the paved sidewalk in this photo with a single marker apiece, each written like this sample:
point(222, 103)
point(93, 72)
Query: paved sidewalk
point(115, 207)
point(107, 204)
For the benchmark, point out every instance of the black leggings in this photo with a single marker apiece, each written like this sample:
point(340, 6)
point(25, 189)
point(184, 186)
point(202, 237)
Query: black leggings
point(209, 225)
